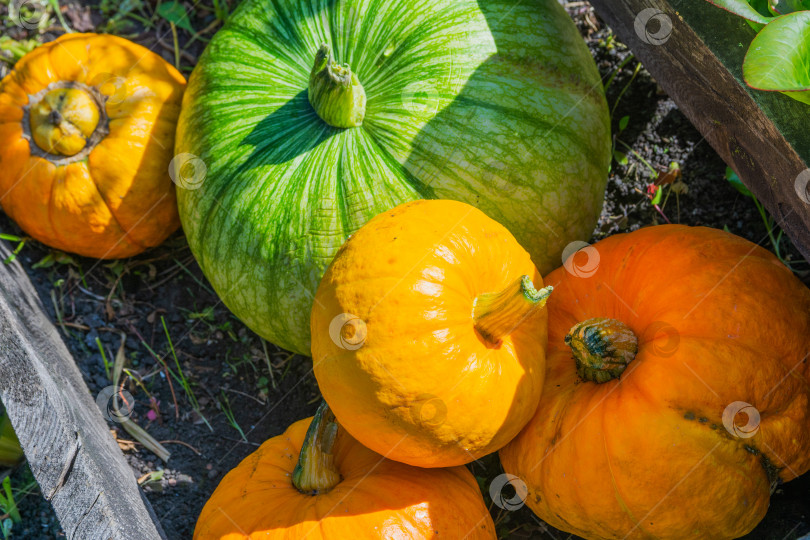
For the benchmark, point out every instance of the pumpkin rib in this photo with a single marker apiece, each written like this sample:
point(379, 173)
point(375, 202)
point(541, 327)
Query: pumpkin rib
point(622, 504)
point(124, 241)
point(689, 373)
point(51, 220)
point(126, 233)
point(133, 229)
point(391, 162)
point(585, 499)
point(12, 156)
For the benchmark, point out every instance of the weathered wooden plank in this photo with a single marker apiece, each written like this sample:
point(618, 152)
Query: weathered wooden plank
point(695, 52)
point(78, 465)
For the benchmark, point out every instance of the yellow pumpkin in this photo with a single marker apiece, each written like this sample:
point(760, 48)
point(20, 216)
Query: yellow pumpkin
point(677, 394)
point(86, 137)
point(317, 482)
point(428, 334)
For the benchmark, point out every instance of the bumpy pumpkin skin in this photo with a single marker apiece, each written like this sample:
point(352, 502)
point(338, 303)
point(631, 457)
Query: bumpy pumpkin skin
point(421, 385)
point(494, 103)
point(718, 320)
point(377, 499)
point(118, 199)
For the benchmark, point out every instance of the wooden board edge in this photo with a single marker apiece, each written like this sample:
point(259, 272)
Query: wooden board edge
point(713, 100)
point(73, 457)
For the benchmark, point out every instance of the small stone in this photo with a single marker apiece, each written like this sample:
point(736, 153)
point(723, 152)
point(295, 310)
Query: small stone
point(184, 480)
point(90, 339)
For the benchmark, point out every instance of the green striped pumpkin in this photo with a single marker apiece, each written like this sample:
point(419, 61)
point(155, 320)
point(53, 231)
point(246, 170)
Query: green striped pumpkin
point(494, 103)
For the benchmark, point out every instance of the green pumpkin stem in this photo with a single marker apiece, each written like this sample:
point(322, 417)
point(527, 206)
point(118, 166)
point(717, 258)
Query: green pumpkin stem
point(602, 348)
point(315, 471)
point(335, 92)
point(498, 314)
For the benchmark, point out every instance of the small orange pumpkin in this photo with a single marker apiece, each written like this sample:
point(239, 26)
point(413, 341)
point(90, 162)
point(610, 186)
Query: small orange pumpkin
point(428, 334)
point(86, 136)
point(317, 482)
point(677, 393)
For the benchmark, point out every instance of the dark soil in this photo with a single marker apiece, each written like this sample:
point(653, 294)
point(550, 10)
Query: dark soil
point(227, 365)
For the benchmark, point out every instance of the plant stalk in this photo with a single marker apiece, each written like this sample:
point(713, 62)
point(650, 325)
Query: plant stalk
point(315, 472)
point(335, 91)
point(498, 314)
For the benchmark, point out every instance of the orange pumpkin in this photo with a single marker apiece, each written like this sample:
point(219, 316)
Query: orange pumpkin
point(86, 137)
point(677, 393)
point(428, 334)
point(317, 482)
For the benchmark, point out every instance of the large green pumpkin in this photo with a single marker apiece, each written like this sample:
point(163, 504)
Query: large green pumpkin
point(494, 103)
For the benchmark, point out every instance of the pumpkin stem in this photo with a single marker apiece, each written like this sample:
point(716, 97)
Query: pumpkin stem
point(315, 471)
point(63, 121)
point(498, 314)
point(602, 348)
point(335, 92)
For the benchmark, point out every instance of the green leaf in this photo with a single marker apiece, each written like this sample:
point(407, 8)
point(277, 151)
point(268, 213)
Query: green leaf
point(620, 157)
point(16, 49)
point(753, 10)
point(623, 122)
point(176, 13)
point(781, 7)
point(12, 238)
point(10, 504)
point(45, 262)
point(778, 59)
point(54, 257)
point(735, 181)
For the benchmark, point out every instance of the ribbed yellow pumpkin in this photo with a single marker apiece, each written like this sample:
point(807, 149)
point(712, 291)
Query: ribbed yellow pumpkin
point(86, 136)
